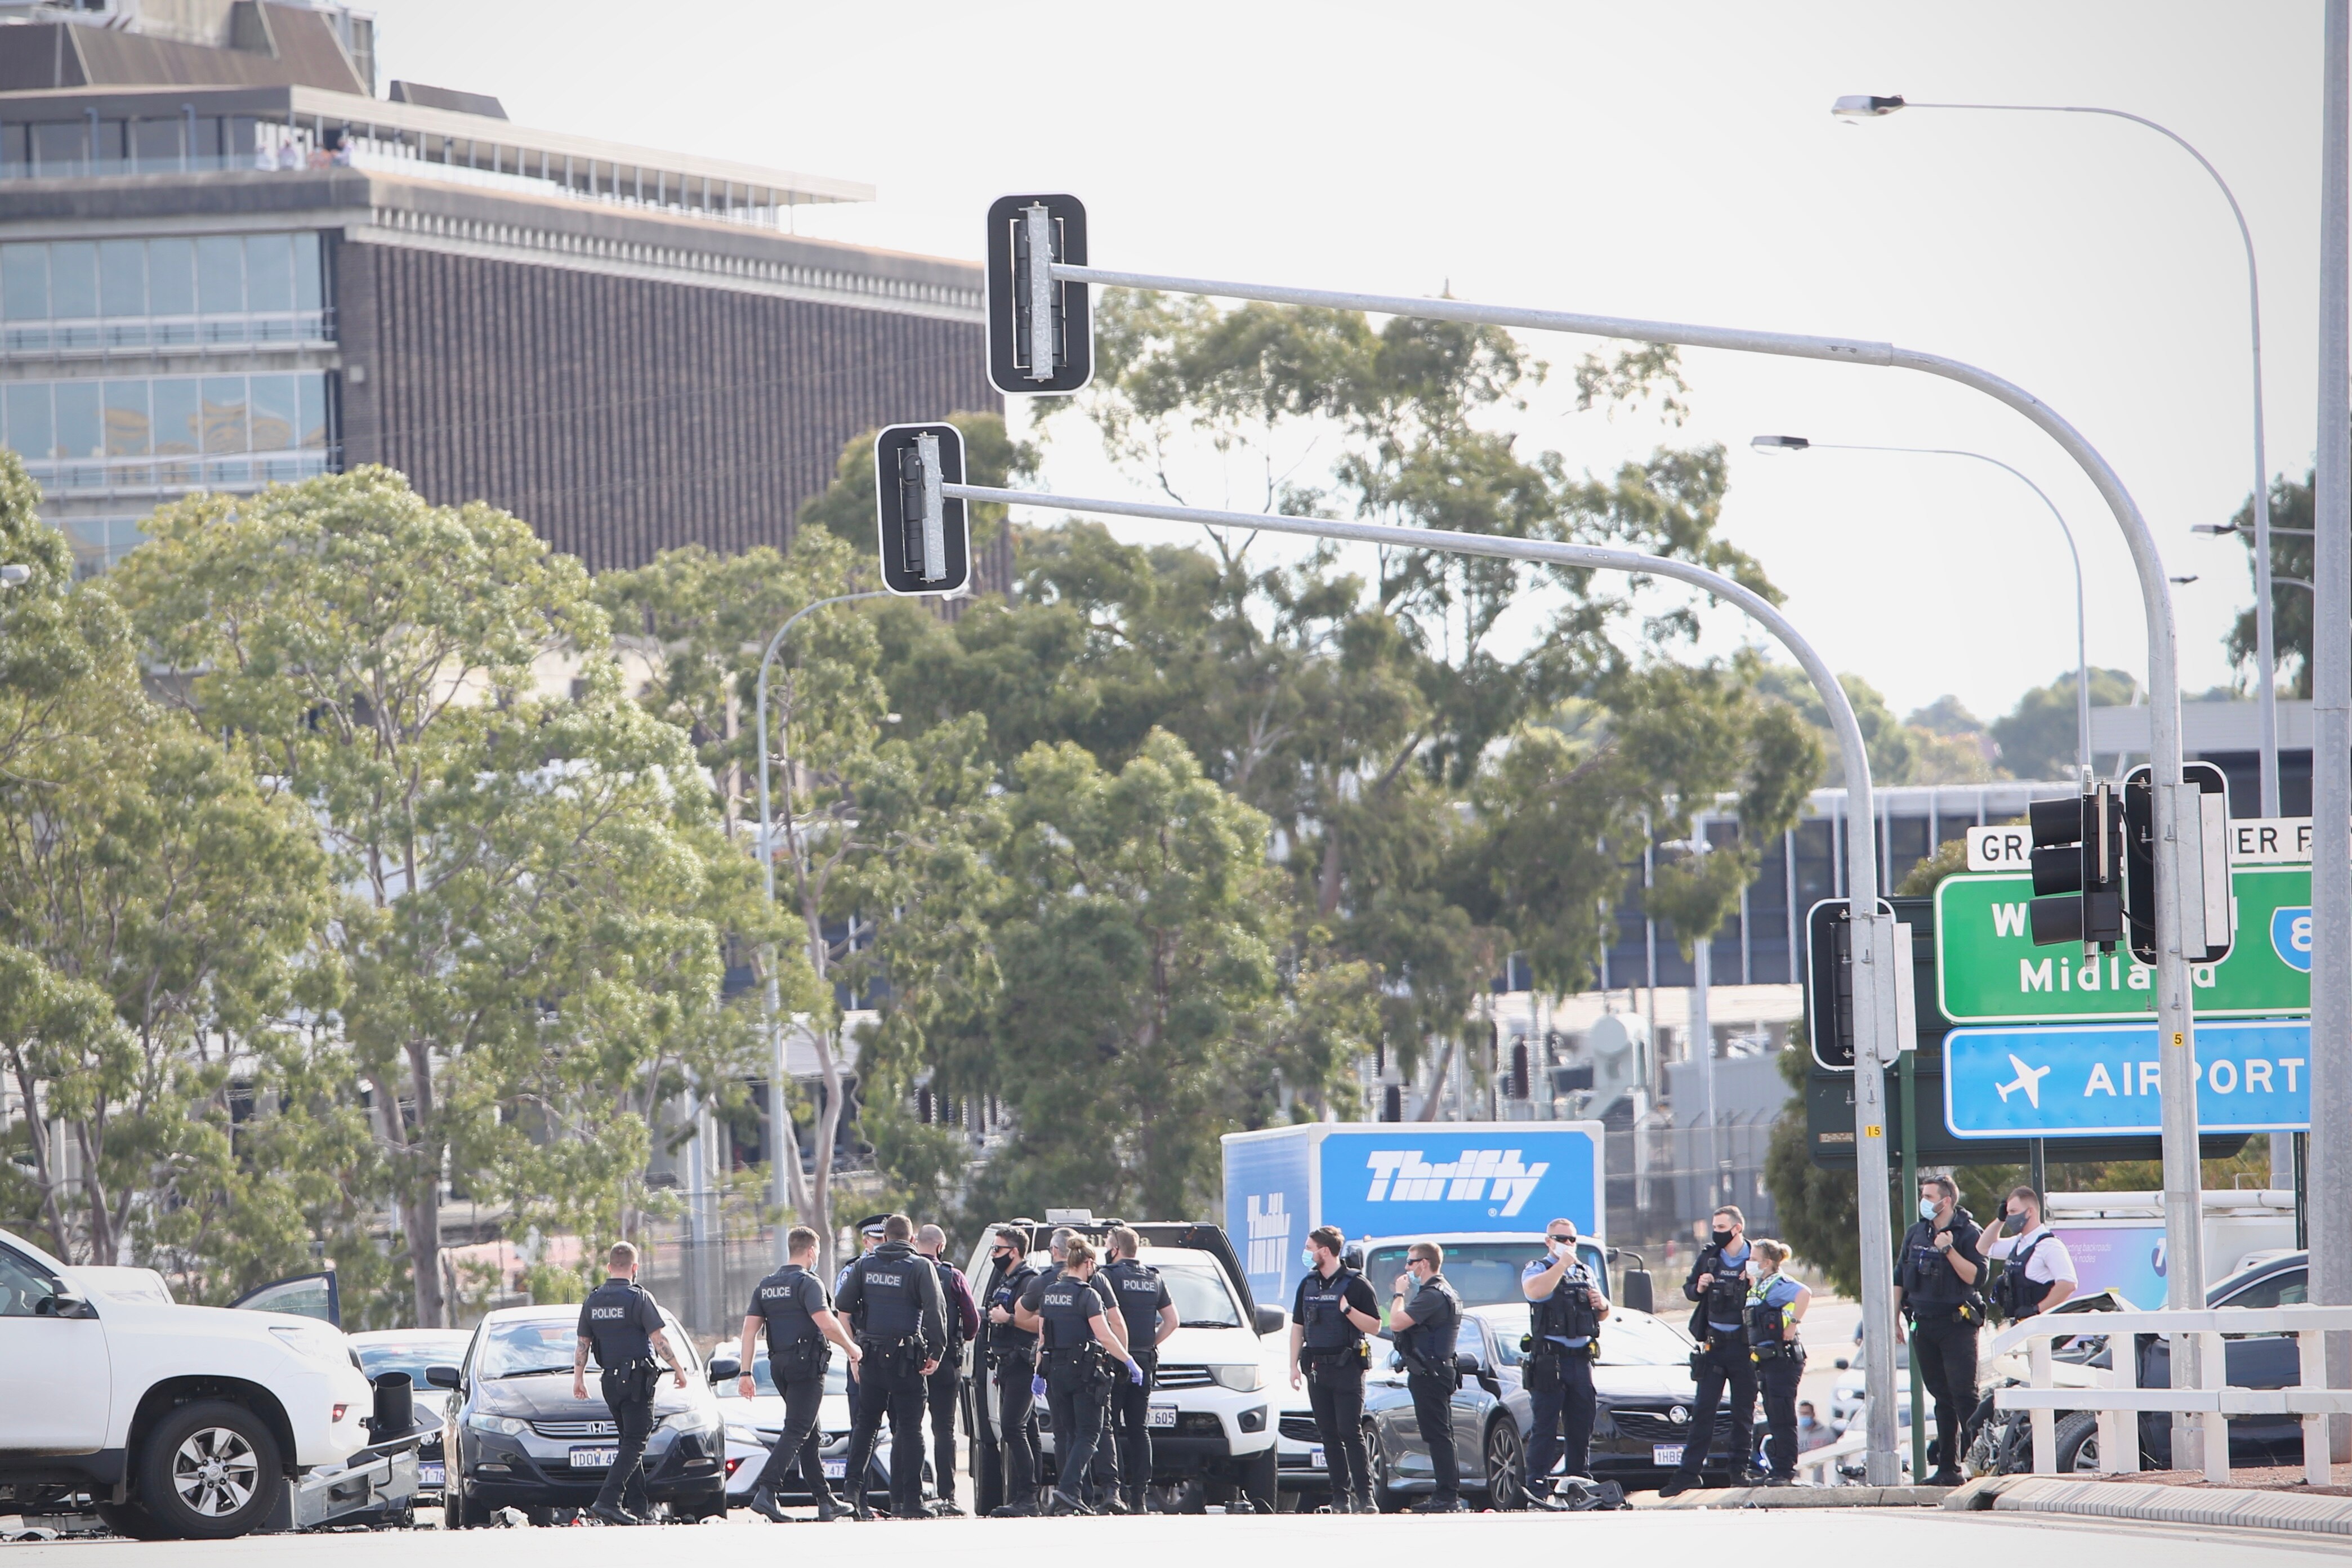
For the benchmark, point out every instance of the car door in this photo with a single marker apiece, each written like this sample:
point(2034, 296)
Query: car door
point(2252, 1361)
point(56, 1380)
point(1472, 1399)
point(303, 1295)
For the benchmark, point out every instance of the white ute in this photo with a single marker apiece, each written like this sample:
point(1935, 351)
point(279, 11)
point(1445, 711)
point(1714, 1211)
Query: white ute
point(176, 1421)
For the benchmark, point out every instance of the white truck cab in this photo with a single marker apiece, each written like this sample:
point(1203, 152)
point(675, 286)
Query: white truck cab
point(168, 1420)
point(1211, 1403)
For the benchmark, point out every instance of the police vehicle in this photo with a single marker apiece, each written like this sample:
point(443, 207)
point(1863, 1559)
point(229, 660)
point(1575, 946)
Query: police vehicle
point(513, 1435)
point(1213, 1427)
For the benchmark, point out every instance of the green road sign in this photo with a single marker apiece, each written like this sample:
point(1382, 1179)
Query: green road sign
point(1990, 971)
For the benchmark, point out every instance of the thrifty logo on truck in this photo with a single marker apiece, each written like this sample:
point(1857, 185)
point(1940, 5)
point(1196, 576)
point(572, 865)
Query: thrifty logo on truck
point(1269, 1233)
point(1402, 1175)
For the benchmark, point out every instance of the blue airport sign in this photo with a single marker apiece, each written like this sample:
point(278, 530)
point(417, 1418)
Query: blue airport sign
point(2083, 1081)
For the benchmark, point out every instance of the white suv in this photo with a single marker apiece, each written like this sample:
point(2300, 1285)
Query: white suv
point(1211, 1415)
point(174, 1421)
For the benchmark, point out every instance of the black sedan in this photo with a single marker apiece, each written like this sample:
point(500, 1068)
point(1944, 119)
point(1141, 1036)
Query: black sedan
point(513, 1437)
point(1646, 1408)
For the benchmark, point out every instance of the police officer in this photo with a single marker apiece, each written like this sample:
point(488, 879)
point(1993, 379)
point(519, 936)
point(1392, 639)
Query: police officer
point(1011, 1364)
point(1101, 1491)
point(1150, 1317)
point(1566, 1306)
point(620, 1323)
point(1080, 1347)
point(1935, 1283)
point(1330, 1314)
point(1719, 1284)
point(792, 1306)
point(1776, 1305)
point(2037, 1271)
point(1427, 1314)
point(943, 1390)
point(869, 1237)
point(892, 1297)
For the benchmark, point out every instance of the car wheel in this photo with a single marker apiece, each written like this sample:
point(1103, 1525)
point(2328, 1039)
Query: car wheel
point(1384, 1497)
point(2078, 1444)
point(210, 1470)
point(1262, 1481)
point(987, 1476)
point(459, 1511)
point(131, 1522)
point(1507, 1465)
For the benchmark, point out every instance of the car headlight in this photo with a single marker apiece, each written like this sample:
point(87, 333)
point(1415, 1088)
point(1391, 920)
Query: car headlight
point(313, 1344)
point(691, 1420)
point(505, 1425)
point(738, 1433)
point(1241, 1376)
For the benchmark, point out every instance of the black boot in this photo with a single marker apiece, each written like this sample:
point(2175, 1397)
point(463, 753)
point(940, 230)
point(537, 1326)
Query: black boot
point(828, 1508)
point(612, 1513)
point(763, 1503)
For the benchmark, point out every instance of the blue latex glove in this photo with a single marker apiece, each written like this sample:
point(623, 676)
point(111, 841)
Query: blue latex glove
point(1134, 1374)
point(1037, 1387)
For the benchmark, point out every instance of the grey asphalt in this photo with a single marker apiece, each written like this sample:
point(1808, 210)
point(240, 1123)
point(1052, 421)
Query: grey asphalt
point(1863, 1538)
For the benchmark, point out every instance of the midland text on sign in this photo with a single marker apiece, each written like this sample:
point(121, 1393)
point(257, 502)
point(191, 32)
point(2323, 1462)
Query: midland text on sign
point(1990, 971)
point(2060, 1081)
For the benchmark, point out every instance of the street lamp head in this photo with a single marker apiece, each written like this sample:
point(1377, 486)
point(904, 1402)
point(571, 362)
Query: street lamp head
point(14, 574)
point(2217, 529)
point(2182, 582)
point(1865, 106)
point(1779, 443)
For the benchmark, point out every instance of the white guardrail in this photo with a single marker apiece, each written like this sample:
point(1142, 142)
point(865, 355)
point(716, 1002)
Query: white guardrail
point(2213, 1402)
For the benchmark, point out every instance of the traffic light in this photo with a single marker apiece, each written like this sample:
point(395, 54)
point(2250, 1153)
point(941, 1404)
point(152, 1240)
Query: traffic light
point(2208, 904)
point(2078, 854)
point(1040, 329)
point(926, 534)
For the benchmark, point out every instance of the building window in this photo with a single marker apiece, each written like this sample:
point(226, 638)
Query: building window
point(171, 432)
point(73, 295)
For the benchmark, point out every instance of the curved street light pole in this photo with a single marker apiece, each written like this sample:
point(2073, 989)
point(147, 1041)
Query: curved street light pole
point(2081, 658)
point(779, 1113)
point(1861, 108)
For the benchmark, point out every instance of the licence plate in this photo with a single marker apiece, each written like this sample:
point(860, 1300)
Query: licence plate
point(1665, 1453)
point(836, 1470)
point(593, 1458)
point(430, 1474)
point(1161, 1416)
point(1315, 1456)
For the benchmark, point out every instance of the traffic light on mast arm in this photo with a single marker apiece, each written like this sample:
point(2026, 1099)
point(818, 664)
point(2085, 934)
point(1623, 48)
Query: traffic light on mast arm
point(2209, 904)
point(1039, 328)
point(926, 534)
point(2078, 867)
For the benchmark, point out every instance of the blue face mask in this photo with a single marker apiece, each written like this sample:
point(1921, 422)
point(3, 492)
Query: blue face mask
point(1927, 1208)
point(1306, 1256)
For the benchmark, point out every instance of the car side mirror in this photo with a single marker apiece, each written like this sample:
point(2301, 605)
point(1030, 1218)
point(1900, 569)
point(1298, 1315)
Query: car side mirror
point(1843, 1365)
point(1270, 1320)
point(441, 1378)
point(1466, 1364)
point(725, 1368)
point(64, 1304)
point(1639, 1297)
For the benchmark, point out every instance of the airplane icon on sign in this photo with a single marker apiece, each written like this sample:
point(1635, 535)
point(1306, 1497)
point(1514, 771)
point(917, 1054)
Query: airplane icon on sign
point(2028, 1079)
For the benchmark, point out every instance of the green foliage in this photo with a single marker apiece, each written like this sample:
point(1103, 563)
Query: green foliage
point(2037, 737)
point(2291, 606)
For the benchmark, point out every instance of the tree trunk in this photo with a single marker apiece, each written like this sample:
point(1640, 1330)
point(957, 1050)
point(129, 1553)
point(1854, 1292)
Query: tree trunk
point(1436, 1095)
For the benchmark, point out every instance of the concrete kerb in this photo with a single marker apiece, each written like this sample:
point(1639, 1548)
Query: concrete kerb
point(1806, 1497)
point(2304, 1513)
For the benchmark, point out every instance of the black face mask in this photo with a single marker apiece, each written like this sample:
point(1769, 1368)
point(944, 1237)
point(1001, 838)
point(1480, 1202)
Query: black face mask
point(2013, 1226)
point(1722, 1240)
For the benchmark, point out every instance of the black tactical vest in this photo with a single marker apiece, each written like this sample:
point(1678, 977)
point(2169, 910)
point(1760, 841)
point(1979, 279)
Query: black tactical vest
point(1136, 1287)
point(781, 1299)
point(890, 1305)
point(1009, 1336)
point(614, 1308)
point(1067, 1304)
point(1327, 1325)
point(1568, 1311)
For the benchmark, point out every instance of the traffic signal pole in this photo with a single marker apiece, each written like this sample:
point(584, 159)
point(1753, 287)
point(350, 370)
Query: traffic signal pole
point(2183, 1203)
point(1874, 1028)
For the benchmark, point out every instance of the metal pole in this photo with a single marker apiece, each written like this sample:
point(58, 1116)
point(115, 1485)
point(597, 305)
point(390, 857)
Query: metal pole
point(2266, 648)
point(1702, 1053)
point(2183, 1216)
point(779, 1113)
point(2081, 637)
point(1874, 980)
point(1907, 1090)
point(2331, 737)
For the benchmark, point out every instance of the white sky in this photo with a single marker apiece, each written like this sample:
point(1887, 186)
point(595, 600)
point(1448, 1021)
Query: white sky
point(1674, 163)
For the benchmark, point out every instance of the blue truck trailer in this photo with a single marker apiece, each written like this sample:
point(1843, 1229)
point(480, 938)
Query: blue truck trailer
point(1483, 1190)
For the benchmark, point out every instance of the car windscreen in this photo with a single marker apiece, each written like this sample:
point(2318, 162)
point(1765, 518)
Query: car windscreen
point(1483, 1273)
point(1627, 1338)
point(836, 1380)
point(411, 1357)
point(1202, 1298)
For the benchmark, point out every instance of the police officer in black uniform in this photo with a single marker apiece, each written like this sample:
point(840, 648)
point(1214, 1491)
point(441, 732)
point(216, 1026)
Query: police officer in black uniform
point(1150, 1316)
point(1080, 1349)
point(620, 1323)
point(793, 1305)
point(1333, 1311)
point(1935, 1285)
point(1719, 1283)
point(1010, 1365)
point(1426, 1315)
point(1565, 1309)
point(1776, 1305)
point(943, 1390)
point(892, 1297)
